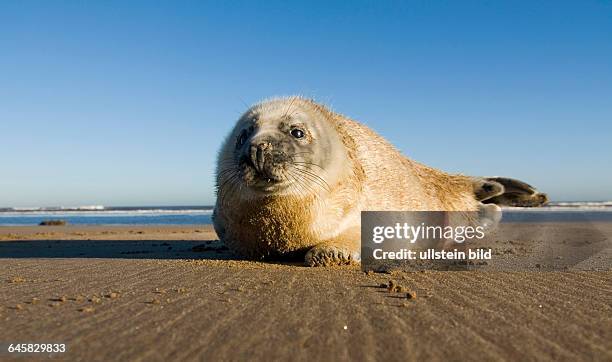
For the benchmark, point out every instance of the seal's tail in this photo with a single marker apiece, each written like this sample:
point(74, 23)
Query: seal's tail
point(504, 191)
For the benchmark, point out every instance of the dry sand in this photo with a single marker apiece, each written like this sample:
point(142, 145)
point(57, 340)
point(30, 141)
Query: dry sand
point(160, 293)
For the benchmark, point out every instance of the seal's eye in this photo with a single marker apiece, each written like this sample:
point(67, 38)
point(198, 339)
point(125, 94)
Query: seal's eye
point(297, 133)
point(242, 138)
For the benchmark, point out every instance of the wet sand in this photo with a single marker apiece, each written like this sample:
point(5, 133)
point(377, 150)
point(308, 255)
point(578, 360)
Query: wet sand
point(160, 293)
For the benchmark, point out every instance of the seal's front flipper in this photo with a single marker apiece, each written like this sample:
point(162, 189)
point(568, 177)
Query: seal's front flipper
point(505, 191)
point(344, 249)
point(330, 254)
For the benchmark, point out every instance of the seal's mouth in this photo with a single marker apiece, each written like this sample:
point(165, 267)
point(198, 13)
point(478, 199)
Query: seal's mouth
point(267, 179)
point(267, 176)
point(268, 184)
point(271, 185)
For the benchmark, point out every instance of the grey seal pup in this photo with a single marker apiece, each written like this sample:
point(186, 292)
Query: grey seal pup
point(293, 177)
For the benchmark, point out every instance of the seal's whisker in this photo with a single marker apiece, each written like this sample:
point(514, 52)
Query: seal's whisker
point(226, 192)
point(225, 160)
point(313, 178)
point(289, 107)
point(307, 163)
point(225, 174)
point(233, 182)
point(228, 180)
point(311, 173)
point(305, 185)
point(300, 180)
point(294, 184)
point(225, 170)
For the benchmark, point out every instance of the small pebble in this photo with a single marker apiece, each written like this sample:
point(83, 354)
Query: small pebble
point(393, 287)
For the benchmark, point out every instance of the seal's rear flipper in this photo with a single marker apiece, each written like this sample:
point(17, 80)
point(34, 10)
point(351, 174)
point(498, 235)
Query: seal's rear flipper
point(504, 191)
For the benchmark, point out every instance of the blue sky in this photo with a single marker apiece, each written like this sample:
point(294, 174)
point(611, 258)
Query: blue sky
point(126, 103)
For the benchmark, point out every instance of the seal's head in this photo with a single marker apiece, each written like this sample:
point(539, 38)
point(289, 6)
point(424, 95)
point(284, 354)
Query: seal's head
point(285, 146)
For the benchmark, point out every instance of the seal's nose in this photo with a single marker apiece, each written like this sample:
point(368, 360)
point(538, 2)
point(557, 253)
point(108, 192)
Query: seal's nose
point(258, 152)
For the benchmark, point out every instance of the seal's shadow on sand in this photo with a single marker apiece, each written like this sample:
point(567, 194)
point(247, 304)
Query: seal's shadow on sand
point(117, 249)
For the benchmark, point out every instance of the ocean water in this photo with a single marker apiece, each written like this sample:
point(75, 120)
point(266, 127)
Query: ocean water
point(199, 215)
point(99, 215)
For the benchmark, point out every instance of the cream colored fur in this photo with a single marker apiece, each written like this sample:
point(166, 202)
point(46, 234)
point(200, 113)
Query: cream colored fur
point(368, 174)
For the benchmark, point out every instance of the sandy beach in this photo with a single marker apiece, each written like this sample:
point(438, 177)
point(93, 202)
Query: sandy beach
point(160, 293)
